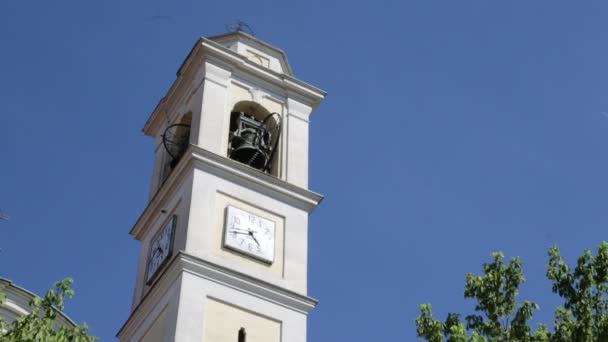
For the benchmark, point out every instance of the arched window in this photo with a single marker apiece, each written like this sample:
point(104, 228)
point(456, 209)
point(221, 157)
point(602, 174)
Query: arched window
point(176, 139)
point(254, 136)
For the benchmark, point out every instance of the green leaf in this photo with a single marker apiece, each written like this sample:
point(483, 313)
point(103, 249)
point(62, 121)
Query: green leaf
point(41, 325)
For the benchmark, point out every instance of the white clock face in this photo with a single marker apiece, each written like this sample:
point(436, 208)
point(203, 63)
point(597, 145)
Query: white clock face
point(160, 249)
point(249, 234)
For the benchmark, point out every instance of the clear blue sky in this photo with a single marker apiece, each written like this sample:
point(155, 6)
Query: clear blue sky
point(452, 129)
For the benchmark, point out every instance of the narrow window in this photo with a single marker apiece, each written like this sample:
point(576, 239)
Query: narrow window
point(242, 335)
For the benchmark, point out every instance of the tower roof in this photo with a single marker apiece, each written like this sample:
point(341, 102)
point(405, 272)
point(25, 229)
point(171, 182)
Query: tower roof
point(243, 52)
point(232, 40)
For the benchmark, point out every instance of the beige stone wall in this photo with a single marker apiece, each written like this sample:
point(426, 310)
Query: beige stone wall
point(239, 93)
point(223, 322)
point(156, 332)
point(273, 106)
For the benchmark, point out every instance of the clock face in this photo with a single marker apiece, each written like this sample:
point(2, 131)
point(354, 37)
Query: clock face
point(249, 234)
point(161, 248)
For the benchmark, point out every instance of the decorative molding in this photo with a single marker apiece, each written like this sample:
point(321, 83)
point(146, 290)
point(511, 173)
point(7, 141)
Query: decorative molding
point(263, 183)
point(245, 283)
point(298, 110)
point(183, 262)
point(162, 196)
point(228, 169)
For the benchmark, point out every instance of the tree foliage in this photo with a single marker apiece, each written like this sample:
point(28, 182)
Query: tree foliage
point(41, 324)
point(499, 318)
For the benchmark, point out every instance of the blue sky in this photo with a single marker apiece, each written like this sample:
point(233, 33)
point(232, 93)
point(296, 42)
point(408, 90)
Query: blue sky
point(452, 129)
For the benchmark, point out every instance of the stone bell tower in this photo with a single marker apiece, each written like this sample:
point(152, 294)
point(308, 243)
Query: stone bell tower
point(224, 238)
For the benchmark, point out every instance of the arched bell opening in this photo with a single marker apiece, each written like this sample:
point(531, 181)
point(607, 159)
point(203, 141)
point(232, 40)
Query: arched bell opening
point(254, 136)
point(175, 140)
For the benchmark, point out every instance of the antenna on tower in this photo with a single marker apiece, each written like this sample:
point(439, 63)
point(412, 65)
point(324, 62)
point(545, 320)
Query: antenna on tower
point(239, 25)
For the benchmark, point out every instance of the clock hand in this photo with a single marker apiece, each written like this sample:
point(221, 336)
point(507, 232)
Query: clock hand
point(253, 236)
point(237, 232)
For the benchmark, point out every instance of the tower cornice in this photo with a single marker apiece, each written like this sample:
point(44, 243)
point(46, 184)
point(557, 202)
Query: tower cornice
point(198, 158)
point(183, 262)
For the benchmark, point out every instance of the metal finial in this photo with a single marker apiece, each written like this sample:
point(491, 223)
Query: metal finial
point(239, 25)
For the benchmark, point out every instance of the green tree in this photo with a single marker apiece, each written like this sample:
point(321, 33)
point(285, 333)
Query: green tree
point(40, 324)
point(498, 317)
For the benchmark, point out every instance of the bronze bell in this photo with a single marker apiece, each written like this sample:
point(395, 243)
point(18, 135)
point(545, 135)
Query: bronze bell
point(247, 148)
point(253, 141)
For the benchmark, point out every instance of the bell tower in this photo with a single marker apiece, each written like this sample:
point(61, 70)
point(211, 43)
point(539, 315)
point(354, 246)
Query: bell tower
point(224, 237)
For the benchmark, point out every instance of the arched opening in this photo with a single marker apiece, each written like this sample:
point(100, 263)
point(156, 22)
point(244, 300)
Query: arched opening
point(175, 139)
point(254, 136)
point(252, 108)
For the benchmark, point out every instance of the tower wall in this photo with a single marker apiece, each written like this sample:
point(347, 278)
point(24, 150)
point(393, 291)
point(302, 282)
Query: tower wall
point(192, 285)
